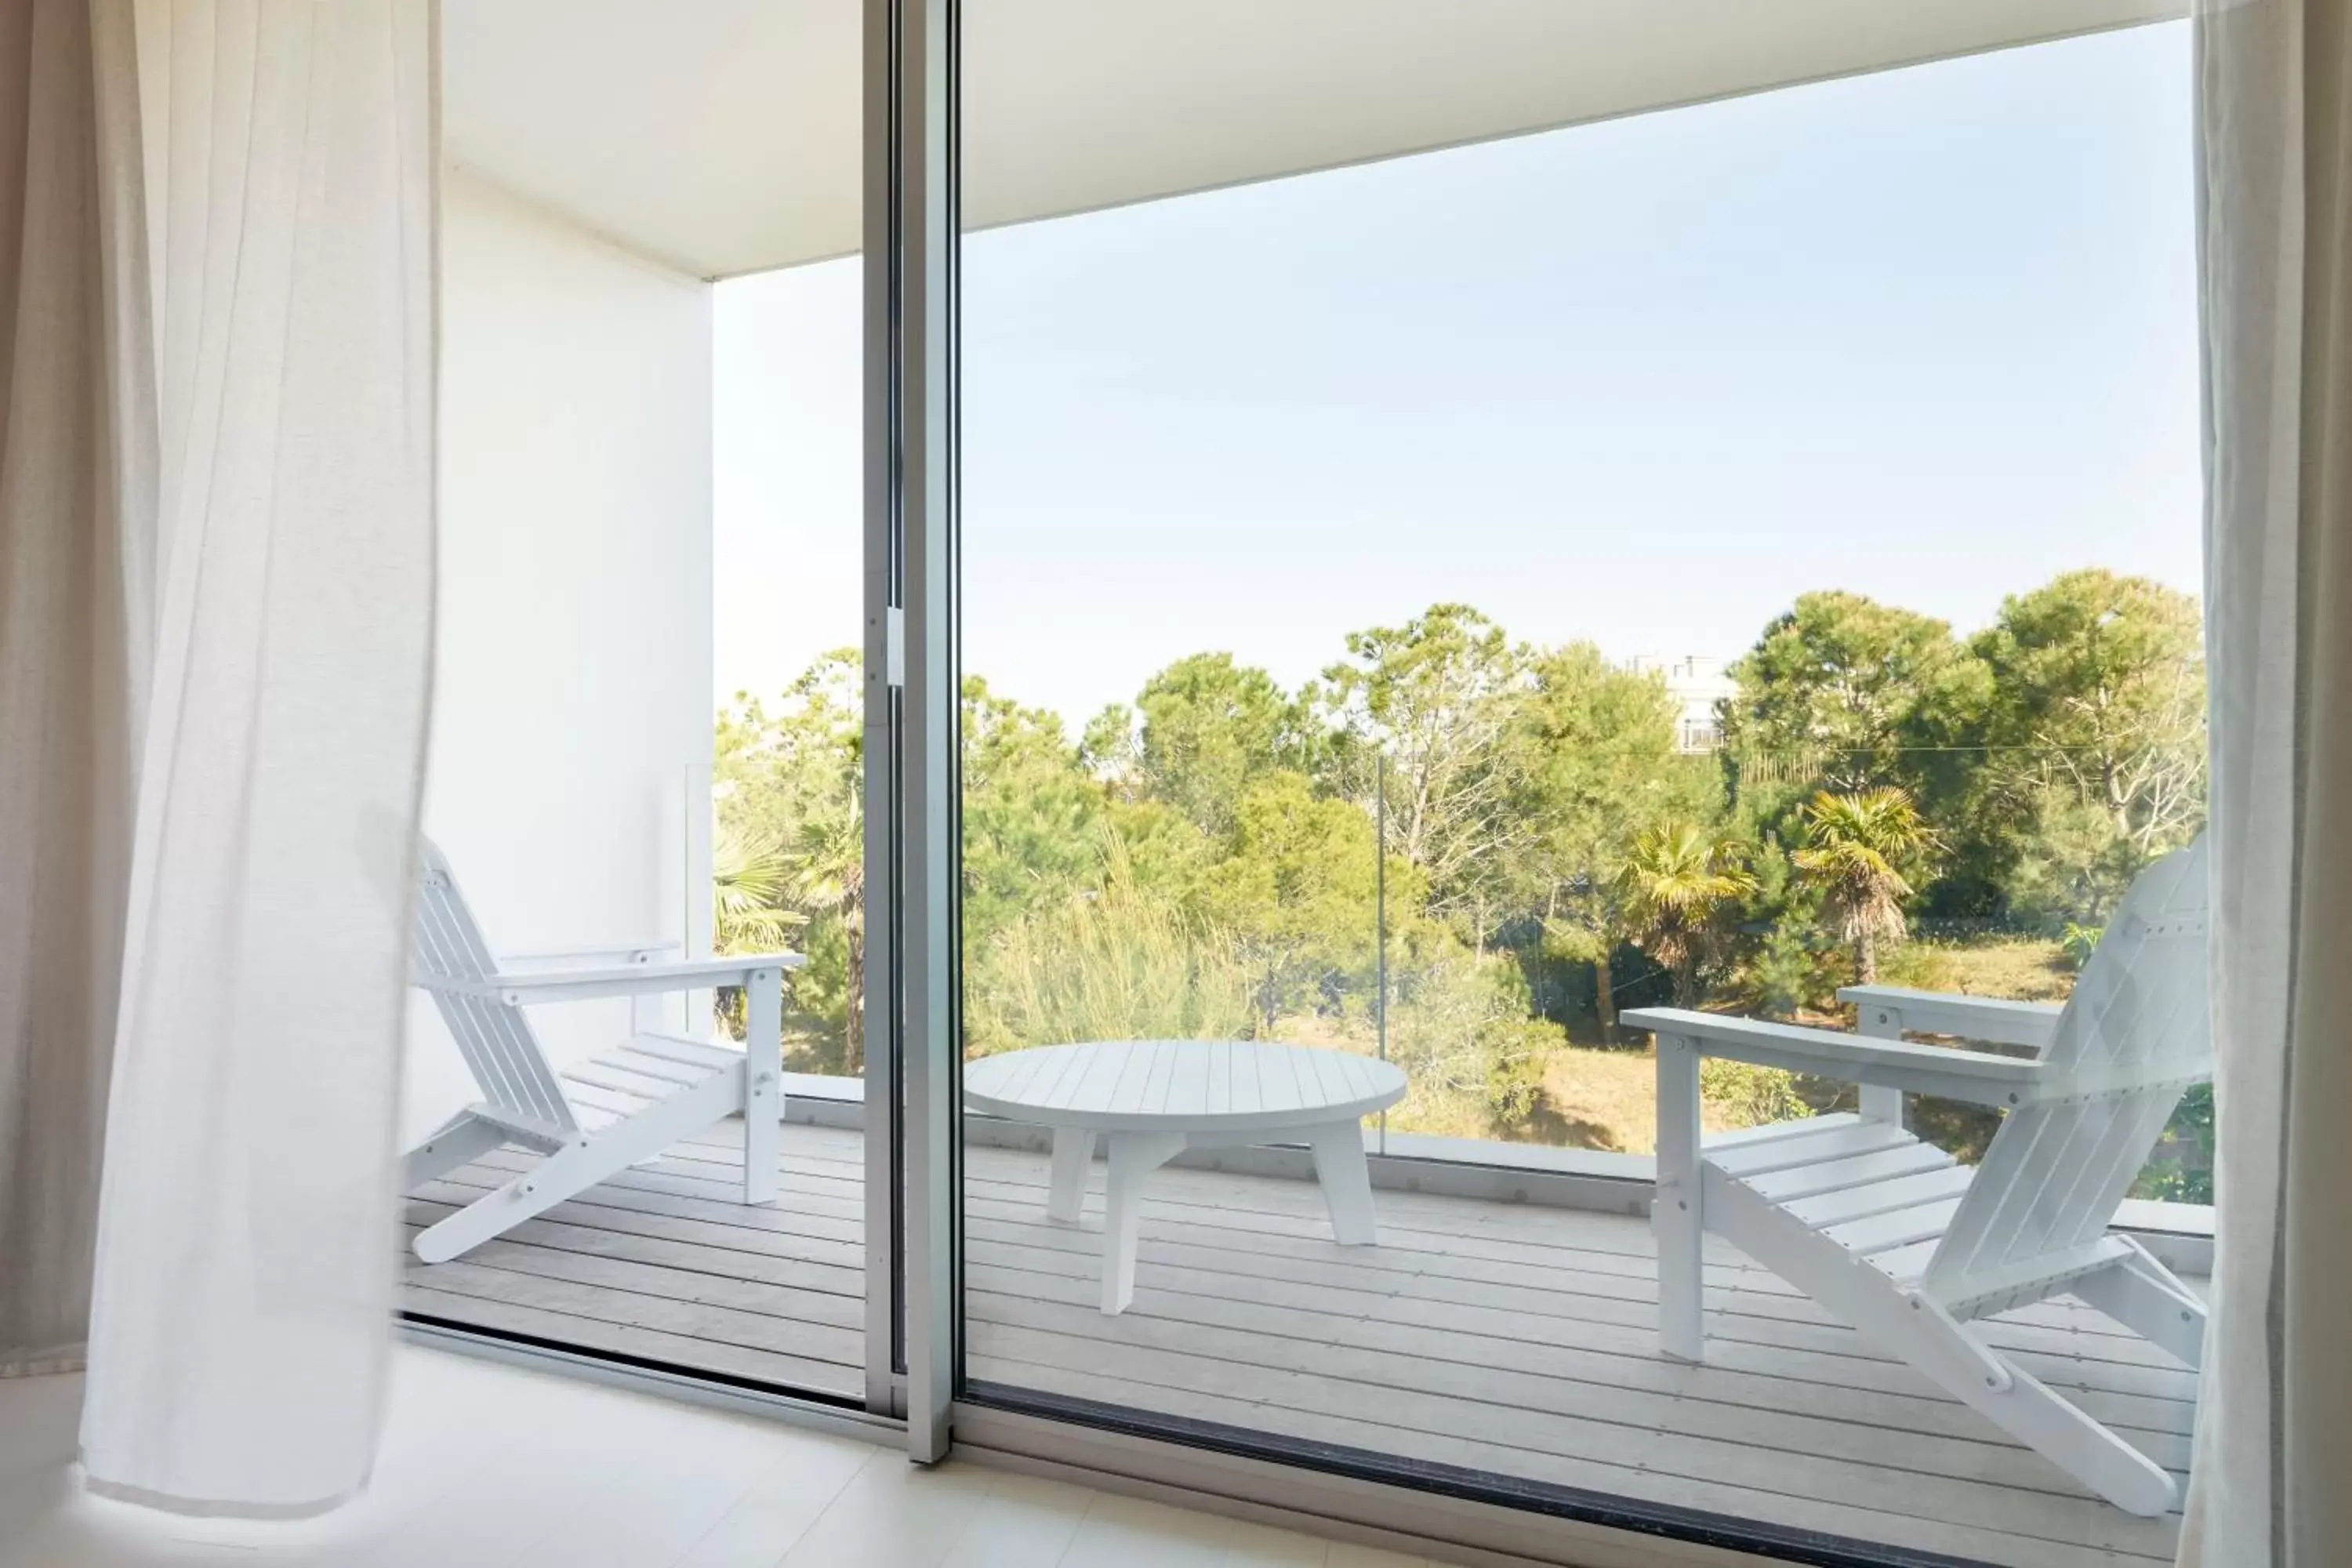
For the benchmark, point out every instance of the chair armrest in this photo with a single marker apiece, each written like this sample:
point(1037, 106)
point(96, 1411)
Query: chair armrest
point(608, 953)
point(1985, 1019)
point(626, 980)
point(1973, 1075)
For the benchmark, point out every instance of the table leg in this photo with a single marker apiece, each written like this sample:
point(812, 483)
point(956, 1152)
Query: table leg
point(1133, 1157)
point(1347, 1180)
point(1074, 1151)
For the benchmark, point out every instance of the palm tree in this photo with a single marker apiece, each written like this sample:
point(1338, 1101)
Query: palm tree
point(750, 879)
point(1677, 880)
point(827, 863)
point(1855, 844)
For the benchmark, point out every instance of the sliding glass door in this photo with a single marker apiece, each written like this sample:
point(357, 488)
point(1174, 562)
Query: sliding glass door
point(653, 726)
point(1454, 527)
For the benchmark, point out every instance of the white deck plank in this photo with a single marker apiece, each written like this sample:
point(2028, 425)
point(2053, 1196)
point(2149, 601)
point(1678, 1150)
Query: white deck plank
point(1512, 1338)
point(619, 1339)
point(1485, 1407)
point(1550, 1281)
point(734, 1291)
point(1397, 1437)
point(1577, 1284)
point(804, 1278)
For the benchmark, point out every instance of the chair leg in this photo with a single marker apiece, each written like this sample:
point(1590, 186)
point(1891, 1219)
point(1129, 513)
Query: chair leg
point(563, 1175)
point(574, 1168)
point(2031, 1412)
point(2146, 1296)
point(1133, 1157)
point(1916, 1328)
point(1677, 1219)
point(1074, 1151)
point(763, 1063)
point(1347, 1182)
point(460, 1141)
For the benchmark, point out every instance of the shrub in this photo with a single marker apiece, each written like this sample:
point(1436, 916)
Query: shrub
point(2078, 942)
point(2182, 1170)
point(1746, 1095)
point(1459, 1027)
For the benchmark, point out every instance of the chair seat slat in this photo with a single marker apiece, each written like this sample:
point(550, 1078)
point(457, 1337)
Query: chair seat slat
point(603, 1074)
point(1773, 1131)
point(689, 1053)
point(1878, 1197)
point(1906, 1265)
point(1781, 1154)
point(1829, 1177)
point(1895, 1228)
point(627, 1058)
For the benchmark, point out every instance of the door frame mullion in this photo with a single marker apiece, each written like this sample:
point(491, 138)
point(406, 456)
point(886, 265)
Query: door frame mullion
point(883, 673)
point(911, 420)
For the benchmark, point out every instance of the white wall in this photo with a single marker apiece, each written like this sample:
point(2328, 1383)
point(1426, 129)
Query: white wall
point(572, 686)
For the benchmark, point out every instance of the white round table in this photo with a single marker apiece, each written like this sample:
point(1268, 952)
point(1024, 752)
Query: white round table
point(1150, 1098)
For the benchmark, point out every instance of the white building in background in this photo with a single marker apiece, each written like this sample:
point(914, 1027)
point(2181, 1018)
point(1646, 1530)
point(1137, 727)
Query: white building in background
point(1696, 683)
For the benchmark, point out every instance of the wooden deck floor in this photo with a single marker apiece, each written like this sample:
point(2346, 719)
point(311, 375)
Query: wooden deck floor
point(1502, 1337)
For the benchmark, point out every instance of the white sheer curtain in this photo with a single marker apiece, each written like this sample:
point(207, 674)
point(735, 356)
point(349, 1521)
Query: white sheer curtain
point(73, 584)
point(246, 371)
point(2274, 184)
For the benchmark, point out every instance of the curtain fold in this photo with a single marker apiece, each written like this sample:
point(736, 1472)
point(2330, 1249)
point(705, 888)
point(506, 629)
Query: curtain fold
point(243, 1280)
point(216, 345)
point(74, 462)
point(2274, 199)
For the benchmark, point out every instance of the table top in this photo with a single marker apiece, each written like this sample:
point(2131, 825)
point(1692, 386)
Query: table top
point(1192, 1084)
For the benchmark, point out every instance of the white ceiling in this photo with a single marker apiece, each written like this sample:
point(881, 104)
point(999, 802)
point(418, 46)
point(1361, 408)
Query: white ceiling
point(722, 136)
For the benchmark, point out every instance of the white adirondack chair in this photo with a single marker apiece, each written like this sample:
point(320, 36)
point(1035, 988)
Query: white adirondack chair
point(597, 1119)
point(1894, 1238)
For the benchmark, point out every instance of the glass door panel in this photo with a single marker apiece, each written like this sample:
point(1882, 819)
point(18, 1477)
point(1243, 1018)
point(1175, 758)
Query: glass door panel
point(1445, 567)
point(649, 733)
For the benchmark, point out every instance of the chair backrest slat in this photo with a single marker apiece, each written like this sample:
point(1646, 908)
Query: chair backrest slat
point(2142, 997)
point(495, 1041)
point(2138, 1020)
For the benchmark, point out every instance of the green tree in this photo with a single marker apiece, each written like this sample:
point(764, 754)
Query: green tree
point(1854, 849)
point(1679, 880)
point(780, 773)
point(1600, 763)
point(1031, 813)
point(826, 866)
point(1299, 892)
point(1435, 700)
point(1209, 728)
point(1109, 749)
point(771, 767)
point(1833, 692)
point(2095, 736)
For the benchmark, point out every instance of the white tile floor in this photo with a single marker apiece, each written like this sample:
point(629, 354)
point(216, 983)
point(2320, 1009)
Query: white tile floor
point(486, 1465)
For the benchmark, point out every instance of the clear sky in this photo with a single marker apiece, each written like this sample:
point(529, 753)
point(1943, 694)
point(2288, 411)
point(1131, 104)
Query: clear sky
point(1930, 335)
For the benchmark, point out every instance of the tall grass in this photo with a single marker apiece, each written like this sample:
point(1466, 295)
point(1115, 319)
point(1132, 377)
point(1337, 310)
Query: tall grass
point(1112, 963)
